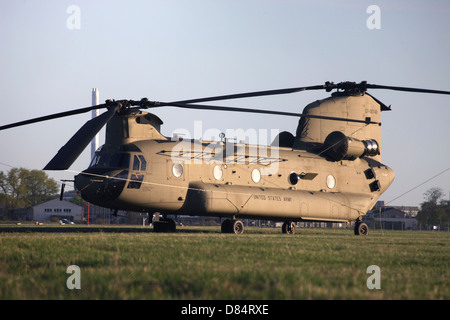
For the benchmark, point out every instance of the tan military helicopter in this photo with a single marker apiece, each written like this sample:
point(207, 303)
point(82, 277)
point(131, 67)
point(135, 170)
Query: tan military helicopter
point(330, 170)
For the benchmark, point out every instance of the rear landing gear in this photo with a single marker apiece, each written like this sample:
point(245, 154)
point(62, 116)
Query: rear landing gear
point(232, 226)
point(361, 228)
point(288, 227)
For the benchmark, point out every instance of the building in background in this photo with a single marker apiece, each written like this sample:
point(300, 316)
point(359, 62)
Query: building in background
point(392, 217)
point(56, 209)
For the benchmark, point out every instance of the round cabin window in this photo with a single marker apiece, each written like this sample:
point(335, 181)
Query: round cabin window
point(217, 172)
point(331, 181)
point(177, 170)
point(256, 175)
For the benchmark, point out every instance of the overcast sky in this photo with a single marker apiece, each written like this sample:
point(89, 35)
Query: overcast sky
point(51, 58)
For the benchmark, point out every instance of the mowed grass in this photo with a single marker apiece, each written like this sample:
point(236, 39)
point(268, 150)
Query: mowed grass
point(202, 263)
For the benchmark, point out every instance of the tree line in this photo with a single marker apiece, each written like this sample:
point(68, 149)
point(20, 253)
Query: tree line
point(21, 188)
point(434, 210)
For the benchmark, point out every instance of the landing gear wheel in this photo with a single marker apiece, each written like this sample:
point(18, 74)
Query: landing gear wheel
point(238, 227)
point(361, 228)
point(288, 227)
point(226, 226)
point(232, 226)
point(166, 225)
point(171, 226)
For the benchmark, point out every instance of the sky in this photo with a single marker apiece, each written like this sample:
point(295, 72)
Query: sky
point(54, 52)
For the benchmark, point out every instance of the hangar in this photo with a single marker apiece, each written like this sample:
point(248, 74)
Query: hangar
point(57, 209)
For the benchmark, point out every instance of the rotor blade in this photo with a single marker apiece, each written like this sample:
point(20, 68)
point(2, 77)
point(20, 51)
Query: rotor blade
point(376, 86)
point(252, 94)
point(328, 86)
point(75, 146)
point(52, 116)
point(281, 113)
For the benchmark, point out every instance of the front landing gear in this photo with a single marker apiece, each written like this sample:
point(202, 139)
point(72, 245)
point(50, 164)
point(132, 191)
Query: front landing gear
point(163, 224)
point(361, 228)
point(166, 225)
point(232, 226)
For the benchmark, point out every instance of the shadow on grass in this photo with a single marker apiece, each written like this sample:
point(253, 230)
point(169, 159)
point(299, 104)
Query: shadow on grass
point(147, 229)
point(93, 229)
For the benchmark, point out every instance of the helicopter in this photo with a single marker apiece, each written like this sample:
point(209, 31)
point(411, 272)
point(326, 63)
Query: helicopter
point(330, 171)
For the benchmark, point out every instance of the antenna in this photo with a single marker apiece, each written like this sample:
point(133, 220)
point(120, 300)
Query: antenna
point(95, 113)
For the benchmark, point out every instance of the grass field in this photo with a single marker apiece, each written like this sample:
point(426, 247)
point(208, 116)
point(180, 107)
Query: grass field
point(202, 263)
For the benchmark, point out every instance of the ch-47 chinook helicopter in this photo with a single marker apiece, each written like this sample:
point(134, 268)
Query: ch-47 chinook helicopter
point(330, 170)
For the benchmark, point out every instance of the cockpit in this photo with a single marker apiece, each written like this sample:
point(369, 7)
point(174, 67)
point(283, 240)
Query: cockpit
point(119, 159)
point(128, 159)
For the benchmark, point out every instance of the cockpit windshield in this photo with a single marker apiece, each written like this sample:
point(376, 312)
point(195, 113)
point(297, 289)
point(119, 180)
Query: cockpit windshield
point(115, 160)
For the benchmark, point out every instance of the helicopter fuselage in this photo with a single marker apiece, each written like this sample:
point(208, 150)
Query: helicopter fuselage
point(195, 177)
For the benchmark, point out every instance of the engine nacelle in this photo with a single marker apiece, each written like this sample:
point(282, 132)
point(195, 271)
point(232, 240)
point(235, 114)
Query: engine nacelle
point(337, 146)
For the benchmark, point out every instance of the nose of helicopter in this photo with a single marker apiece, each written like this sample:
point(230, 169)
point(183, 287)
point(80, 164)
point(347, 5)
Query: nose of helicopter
point(101, 188)
point(385, 176)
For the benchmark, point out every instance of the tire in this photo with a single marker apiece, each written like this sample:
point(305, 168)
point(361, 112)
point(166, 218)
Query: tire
point(164, 226)
point(226, 226)
point(238, 227)
point(171, 226)
point(158, 226)
point(232, 226)
point(361, 229)
point(288, 227)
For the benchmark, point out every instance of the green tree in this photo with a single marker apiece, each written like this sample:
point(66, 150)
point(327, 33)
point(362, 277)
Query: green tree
point(21, 187)
point(433, 210)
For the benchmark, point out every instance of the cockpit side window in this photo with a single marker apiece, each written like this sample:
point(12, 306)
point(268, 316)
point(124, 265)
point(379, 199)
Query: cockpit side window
point(136, 163)
point(135, 181)
point(143, 163)
point(139, 163)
